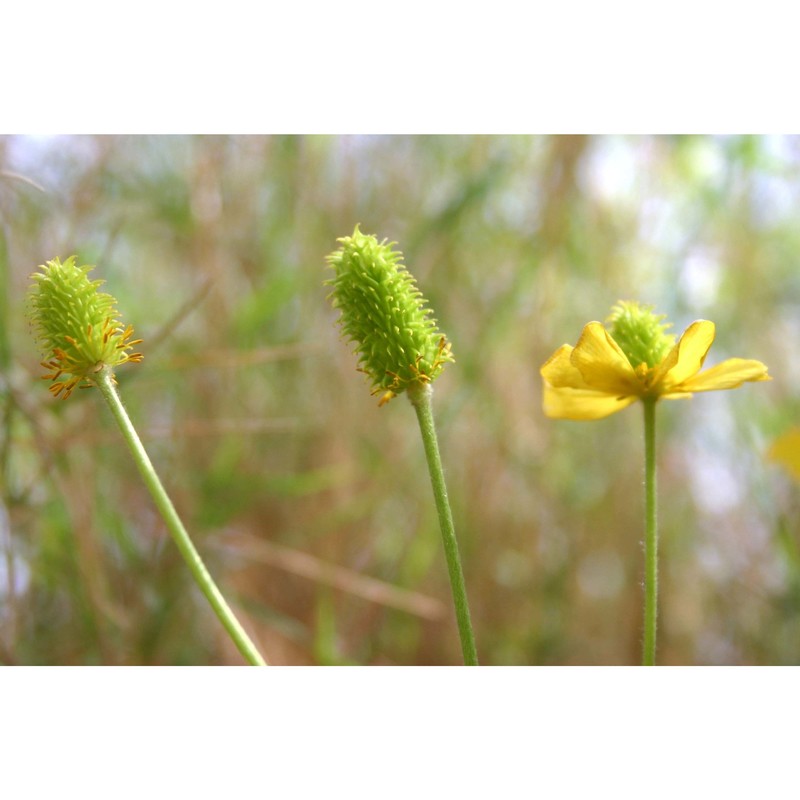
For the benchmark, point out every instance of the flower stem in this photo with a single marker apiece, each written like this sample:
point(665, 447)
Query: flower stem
point(420, 396)
point(651, 535)
point(105, 382)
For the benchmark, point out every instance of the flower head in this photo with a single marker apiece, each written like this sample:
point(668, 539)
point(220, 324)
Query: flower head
point(636, 359)
point(383, 312)
point(76, 325)
point(785, 450)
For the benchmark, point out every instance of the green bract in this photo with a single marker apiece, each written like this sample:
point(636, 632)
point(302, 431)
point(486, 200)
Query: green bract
point(76, 325)
point(383, 312)
point(640, 333)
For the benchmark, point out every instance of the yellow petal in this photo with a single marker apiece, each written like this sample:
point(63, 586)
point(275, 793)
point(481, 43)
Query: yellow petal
point(567, 395)
point(602, 364)
point(727, 375)
point(786, 451)
point(581, 404)
point(559, 371)
point(686, 357)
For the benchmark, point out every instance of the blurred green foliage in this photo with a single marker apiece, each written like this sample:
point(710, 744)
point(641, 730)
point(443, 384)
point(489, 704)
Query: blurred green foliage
point(311, 504)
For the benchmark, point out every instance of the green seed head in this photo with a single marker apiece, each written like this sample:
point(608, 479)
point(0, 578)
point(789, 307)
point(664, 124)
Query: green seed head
point(640, 333)
point(383, 312)
point(76, 325)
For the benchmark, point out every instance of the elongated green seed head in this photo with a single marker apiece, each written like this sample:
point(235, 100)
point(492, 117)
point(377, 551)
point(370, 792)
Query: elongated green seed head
point(77, 326)
point(383, 312)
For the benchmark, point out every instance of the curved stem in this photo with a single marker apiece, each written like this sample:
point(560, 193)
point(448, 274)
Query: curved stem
point(420, 396)
point(651, 535)
point(105, 382)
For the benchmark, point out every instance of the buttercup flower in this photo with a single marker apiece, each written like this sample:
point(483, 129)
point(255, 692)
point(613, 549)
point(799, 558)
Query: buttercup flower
point(383, 312)
point(635, 360)
point(76, 325)
point(785, 450)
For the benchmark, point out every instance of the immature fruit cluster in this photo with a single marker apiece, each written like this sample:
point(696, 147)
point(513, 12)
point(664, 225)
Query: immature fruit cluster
point(76, 325)
point(383, 312)
point(640, 333)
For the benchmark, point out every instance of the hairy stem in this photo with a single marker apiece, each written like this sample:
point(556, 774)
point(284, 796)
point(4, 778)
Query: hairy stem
point(105, 383)
point(420, 396)
point(651, 536)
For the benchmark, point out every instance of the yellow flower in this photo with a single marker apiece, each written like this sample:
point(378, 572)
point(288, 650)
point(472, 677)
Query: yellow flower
point(636, 360)
point(785, 450)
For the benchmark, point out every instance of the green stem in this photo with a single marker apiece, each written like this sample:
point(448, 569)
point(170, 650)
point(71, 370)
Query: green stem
point(105, 382)
point(651, 535)
point(420, 396)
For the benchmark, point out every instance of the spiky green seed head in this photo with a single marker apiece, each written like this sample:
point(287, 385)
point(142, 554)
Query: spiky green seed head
point(640, 333)
point(383, 312)
point(76, 325)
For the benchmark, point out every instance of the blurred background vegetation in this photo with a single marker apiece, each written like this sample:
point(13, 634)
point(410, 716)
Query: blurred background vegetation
point(312, 505)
